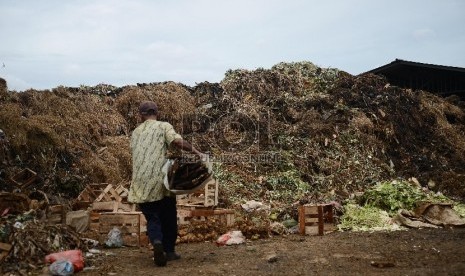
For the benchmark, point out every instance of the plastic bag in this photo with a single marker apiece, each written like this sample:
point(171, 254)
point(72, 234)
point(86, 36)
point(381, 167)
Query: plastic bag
point(230, 238)
point(61, 267)
point(115, 239)
point(73, 256)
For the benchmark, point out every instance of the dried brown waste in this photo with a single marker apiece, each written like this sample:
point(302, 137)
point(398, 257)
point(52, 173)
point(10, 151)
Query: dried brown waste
point(295, 133)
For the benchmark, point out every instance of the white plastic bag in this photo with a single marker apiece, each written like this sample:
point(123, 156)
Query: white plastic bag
point(115, 239)
point(62, 268)
point(230, 238)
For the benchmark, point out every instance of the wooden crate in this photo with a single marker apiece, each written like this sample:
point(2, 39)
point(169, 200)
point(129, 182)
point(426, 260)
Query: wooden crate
point(24, 178)
point(56, 214)
point(131, 224)
point(206, 197)
point(113, 206)
point(316, 219)
point(187, 215)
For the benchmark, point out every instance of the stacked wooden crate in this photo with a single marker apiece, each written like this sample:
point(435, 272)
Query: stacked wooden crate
point(132, 225)
point(205, 197)
point(109, 209)
point(202, 204)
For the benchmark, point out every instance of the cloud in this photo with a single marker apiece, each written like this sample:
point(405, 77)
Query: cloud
point(120, 42)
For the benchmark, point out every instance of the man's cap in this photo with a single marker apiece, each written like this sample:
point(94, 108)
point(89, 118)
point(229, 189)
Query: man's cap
point(148, 107)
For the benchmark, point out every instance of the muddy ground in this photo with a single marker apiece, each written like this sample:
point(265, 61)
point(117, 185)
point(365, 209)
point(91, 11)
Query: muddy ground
point(412, 252)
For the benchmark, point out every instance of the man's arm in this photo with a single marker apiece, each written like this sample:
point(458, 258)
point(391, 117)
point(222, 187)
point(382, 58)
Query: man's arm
point(184, 145)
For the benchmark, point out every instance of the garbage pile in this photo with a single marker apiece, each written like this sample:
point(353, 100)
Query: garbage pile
point(30, 232)
point(289, 135)
point(322, 130)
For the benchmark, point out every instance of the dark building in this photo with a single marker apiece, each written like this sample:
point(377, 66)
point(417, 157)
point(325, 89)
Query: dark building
point(438, 79)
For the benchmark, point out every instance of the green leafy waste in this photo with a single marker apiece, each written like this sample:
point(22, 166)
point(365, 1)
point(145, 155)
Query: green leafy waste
point(365, 218)
point(460, 209)
point(392, 196)
point(380, 202)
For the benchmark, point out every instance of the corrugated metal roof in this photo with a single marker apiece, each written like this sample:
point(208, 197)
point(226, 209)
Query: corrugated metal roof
point(400, 62)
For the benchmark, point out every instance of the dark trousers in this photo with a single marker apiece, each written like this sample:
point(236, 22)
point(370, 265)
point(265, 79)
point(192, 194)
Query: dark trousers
point(162, 222)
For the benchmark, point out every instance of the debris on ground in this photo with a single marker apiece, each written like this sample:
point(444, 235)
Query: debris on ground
point(231, 238)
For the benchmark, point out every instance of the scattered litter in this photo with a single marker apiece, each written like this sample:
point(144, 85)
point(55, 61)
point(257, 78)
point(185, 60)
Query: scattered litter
point(73, 257)
point(272, 258)
point(231, 238)
point(115, 239)
point(253, 205)
point(95, 251)
point(61, 267)
point(278, 228)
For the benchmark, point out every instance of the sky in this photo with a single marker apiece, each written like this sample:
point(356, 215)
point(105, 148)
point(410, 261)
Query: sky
point(48, 43)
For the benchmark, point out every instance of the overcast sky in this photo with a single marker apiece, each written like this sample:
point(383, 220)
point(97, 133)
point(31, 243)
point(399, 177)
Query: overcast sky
point(44, 44)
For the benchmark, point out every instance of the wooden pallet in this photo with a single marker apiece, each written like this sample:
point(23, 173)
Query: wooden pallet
point(103, 192)
point(206, 197)
point(132, 226)
point(316, 219)
point(188, 215)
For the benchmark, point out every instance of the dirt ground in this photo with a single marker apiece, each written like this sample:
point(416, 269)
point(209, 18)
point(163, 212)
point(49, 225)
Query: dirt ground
point(411, 252)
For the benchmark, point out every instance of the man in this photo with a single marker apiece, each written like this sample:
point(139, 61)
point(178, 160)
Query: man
point(149, 143)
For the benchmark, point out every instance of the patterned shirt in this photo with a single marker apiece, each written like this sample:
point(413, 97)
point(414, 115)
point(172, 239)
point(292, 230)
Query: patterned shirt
point(149, 143)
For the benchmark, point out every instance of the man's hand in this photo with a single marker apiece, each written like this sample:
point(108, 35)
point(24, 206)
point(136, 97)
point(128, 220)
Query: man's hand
point(203, 157)
point(183, 144)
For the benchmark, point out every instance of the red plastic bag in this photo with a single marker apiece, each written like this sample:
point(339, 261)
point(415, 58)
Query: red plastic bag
point(74, 256)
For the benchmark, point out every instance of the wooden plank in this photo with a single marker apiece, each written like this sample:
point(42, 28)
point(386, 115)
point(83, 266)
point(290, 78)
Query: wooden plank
point(302, 220)
point(131, 240)
point(210, 212)
point(125, 229)
point(94, 216)
point(24, 178)
point(113, 206)
point(103, 193)
point(311, 209)
point(119, 218)
point(84, 195)
point(5, 246)
point(122, 191)
point(115, 195)
point(314, 229)
point(143, 223)
point(311, 220)
point(94, 226)
point(104, 205)
point(144, 240)
point(320, 220)
point(5, 249)
point(126, 207)
point(230, 219)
